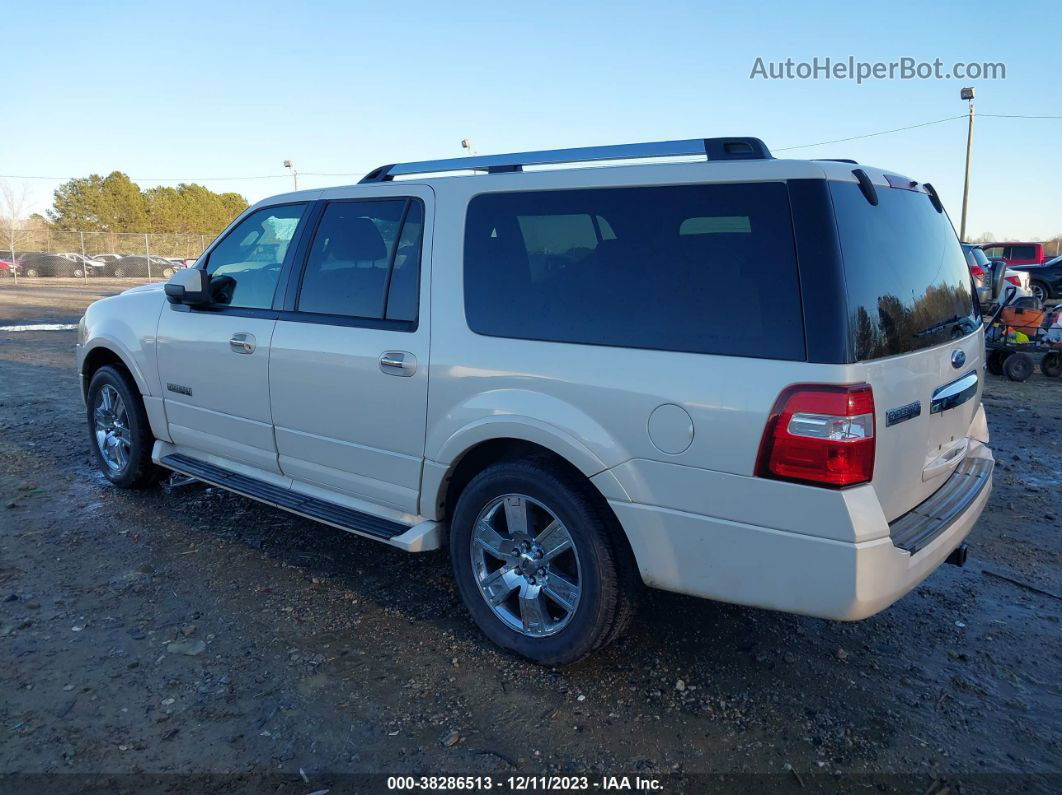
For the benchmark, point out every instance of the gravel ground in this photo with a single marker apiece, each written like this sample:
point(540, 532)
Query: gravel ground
point(190, 631)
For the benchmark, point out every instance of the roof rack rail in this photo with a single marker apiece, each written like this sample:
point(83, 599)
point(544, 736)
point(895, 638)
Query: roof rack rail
point(836, 160)
point(711, 148)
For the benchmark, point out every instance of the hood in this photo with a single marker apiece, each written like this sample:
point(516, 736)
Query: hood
point(154, 287)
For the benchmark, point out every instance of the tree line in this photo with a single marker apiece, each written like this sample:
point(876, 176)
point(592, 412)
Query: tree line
point(117, 204)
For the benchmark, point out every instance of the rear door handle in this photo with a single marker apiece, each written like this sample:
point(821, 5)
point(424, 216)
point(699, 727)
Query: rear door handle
point(401, 363)
point(242, 342)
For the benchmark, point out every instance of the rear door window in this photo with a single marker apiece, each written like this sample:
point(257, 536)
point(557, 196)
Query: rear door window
point(364, 261)
point(1021, 252)
point(695, 268)
point(906, 275)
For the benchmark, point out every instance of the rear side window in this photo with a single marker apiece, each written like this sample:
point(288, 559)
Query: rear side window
point(1022, 252)
point(905, 272)
point(694, 268)
point(363, 262)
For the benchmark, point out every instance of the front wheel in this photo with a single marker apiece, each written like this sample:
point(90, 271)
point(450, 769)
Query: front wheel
point(119, 430)
point(1039, 290)
point(538, 564)
point(119, 273)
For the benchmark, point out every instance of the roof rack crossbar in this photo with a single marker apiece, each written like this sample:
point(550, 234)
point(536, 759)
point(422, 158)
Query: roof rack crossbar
point(712, 148)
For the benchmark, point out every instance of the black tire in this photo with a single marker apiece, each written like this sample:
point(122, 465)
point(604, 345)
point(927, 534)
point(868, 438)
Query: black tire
point(1018, 366)
point(119, 272)
point(995, 362)
point(1051, 364)
point(609, 584)
point(32, 273)
point(138, 472)
point(1039, 289)
point(167, 273)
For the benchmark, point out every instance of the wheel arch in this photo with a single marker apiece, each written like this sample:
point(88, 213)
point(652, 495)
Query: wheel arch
point(101, 355)
point(443, 484)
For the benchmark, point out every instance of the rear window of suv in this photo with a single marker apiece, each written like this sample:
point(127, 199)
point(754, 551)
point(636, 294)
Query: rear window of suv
point(693, 268)
point(906, 276)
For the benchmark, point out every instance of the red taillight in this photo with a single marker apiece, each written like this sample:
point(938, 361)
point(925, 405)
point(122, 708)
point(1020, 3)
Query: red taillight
point(1013, 280)
point(820, 434)
point(977, 271)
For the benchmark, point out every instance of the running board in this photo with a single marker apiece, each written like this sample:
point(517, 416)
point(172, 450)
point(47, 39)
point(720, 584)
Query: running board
point(321, 510)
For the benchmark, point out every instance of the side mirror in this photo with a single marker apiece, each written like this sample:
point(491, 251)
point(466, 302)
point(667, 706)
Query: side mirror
point(189, 286)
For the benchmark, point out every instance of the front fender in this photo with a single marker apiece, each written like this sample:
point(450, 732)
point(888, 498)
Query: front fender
point(126, 325)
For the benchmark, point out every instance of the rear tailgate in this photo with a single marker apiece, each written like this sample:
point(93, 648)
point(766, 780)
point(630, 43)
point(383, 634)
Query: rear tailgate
point(924, 406)
point(914, 331)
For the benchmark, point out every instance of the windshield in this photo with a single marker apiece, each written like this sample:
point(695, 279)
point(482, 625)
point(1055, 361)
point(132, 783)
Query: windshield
point(906, 276)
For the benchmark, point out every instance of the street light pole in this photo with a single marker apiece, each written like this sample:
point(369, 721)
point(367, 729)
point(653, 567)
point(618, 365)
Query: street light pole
point(294, 173)
point(967, 94)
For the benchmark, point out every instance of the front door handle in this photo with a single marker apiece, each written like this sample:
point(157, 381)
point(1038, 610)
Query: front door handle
point(242, 342)
point(401, 363)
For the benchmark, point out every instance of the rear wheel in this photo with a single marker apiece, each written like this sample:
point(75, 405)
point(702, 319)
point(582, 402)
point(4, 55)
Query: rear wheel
point(537, 564)
point(1018, 366)
point(119, 429)
point(1039, 290)
point(1051, 364)
point(167, 273)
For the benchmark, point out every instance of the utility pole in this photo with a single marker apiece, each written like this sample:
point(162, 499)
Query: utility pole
point(968, 95)
point(294, 173)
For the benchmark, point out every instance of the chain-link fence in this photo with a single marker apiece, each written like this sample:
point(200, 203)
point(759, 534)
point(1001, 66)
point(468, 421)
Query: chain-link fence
point(45, 252)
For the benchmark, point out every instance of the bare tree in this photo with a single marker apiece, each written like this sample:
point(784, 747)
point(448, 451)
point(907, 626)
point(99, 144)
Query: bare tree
point(13, 204)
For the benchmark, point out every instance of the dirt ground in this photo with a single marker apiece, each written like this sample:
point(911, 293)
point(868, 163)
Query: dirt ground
point(146, 637)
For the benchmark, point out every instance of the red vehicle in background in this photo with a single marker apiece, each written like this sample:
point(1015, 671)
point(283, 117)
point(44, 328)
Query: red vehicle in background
point(1015, 253)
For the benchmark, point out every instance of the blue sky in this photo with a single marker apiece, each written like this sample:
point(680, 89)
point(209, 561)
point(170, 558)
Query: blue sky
point(194, 91)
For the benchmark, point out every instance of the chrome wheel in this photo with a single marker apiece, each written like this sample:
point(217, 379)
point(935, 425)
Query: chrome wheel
point(113, 437)
point(1038, 292)
point(526, 565)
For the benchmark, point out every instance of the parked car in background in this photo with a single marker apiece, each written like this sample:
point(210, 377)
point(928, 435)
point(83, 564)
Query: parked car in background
point(85, 266)
point(108, 259)
point(7, 268)
point(982, 270)
point(142, 265)
point(1045, 281)
point(1015, 253)
point(39, 264)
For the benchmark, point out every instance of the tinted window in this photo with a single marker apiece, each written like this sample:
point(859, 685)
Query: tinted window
point(698, 268)
point(245, 266)
point(349, 263)
point(404, 294)
point(1022, 252)
point(993, 251)
point(906, 276)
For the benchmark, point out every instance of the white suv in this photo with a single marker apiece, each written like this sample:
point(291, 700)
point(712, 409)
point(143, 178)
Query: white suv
point(537, 368)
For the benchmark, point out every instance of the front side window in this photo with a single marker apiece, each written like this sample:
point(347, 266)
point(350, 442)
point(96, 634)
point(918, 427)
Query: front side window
point(695, 268)
point(245, 266)
point(364, 260)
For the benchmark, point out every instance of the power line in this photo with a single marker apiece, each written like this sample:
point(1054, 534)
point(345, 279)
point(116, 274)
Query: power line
point(1016, 116)
point(871, 135)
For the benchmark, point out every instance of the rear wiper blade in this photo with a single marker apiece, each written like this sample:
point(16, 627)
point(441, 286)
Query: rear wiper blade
point(955, 320)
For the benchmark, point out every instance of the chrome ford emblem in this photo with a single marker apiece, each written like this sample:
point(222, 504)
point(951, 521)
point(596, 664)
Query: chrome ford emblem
point(958, 359)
